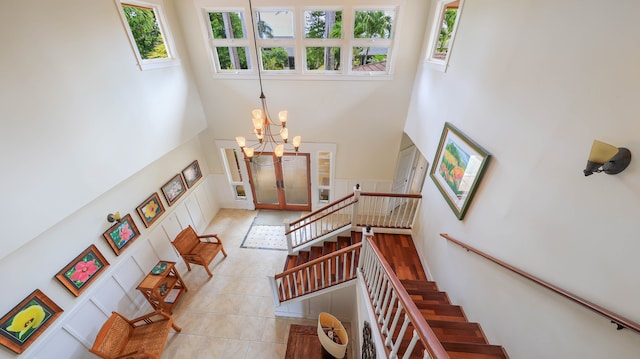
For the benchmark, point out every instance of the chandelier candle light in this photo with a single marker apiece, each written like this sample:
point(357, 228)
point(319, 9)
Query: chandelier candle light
point(270, 138)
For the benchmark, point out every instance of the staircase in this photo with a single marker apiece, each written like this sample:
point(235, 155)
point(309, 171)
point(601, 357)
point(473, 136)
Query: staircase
point(459, 337)
point(392, 269)
point(319, 267)
point(414, 318)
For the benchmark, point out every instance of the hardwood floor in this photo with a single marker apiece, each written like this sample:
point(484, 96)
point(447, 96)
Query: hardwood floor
point(401, 254)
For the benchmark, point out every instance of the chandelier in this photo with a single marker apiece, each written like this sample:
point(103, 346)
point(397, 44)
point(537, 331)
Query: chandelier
point(271, 137)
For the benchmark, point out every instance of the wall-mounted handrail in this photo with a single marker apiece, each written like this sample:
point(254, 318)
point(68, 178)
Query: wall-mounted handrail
point(617, 319)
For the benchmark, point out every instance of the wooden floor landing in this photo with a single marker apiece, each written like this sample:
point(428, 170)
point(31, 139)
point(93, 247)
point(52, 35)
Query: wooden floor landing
point(402, 255)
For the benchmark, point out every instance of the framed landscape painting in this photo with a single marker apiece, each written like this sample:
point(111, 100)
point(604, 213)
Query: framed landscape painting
point(81, 271)
point(458, 168)
point(150, 210)
point(121, 234)
point(26, 321)
point(173, 189)
point(192, 173)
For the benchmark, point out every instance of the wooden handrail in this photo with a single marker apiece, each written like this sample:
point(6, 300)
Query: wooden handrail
point(619, 320)
point(428, 337)
point(395, 195)
point(318, 260)
point(322, 209)
point(315, 220)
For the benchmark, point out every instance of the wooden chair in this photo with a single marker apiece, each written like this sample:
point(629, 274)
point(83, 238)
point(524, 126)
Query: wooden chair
point(193, 250)
point(140, 338)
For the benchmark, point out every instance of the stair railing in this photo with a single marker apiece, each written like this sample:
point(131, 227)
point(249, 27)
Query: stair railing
point(620, 321)
point(316, 275)
point(387, 212)
point(394, 309)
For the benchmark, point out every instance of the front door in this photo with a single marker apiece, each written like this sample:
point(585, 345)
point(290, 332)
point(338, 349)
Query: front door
point(281, 184)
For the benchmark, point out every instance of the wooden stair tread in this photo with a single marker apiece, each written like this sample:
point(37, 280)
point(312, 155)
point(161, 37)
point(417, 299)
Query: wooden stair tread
point(462, 332)
point(418, 285)
point(302, 258)
point(474, 351)
point(315, 252)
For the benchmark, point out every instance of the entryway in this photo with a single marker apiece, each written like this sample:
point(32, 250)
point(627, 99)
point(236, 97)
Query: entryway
point(283, 184)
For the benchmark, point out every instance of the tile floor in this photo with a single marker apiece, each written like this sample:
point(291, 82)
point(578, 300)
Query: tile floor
point(231, 316)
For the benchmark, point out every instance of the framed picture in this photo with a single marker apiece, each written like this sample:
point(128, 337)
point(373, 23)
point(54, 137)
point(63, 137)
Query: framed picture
point(81, 271)
point(121, 234)
point(457, 168)
point(26, 321)
point(150, 210)
point(173, 189)
point(192, 173)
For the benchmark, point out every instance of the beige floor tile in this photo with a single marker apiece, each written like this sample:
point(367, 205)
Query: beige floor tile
point(231, 315)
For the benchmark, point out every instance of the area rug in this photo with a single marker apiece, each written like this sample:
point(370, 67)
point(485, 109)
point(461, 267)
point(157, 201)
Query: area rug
point(267, 230)
point(265, 237)
point(304, 343)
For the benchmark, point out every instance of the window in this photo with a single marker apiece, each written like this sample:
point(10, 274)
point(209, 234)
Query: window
point(232, 165)
point(322, 33)
point(304, 41)
point(324, 177)
point(447, 16)
point(371, 27)
point(148, 33)
point(229, 40)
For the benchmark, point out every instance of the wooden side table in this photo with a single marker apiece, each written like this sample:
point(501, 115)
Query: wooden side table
point(163, 288)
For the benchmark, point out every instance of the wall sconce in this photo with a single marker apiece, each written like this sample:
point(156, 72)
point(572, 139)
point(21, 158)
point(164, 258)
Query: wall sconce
point(113, 217)
point(607, 158)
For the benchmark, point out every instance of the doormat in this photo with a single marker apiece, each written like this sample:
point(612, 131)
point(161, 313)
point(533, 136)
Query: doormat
point(304, 343)
point(265, 237)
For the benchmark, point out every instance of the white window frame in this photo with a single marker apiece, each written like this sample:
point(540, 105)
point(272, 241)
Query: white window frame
point(388, 43)
point(213, 43)
point(299, 43)
point(329, 42)
point(157, 7)
point(438, 14)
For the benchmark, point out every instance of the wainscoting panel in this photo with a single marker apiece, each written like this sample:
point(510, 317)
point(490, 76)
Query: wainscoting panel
point(80, 328)
point(61, 344)
point(73, 333)
point(111, 296)
point(183, 217)
point(195, 213)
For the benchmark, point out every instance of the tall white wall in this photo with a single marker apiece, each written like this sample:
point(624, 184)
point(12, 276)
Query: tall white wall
point(77, 114)
point(35, 264)
point(534, 82)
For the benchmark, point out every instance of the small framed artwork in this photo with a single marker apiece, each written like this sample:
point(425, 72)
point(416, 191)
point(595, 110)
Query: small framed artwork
point(150, 210)
point(192, 173)
point(121, 234)
point(27, 321)
point(458, 168)
point(173, 189)
point(83, 270)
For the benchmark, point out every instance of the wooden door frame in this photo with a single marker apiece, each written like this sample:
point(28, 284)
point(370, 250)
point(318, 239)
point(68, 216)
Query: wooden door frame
point(282, 202)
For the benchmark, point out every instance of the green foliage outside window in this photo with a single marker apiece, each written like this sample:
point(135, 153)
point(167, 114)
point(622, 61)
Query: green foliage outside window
point(228, 25)
point(448, 21)
point(323, 25)
point(146, 32)
point(275, 58)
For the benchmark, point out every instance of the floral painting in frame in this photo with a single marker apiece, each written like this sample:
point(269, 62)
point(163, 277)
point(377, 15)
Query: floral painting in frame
point(150, 210)
point(121, 234)
point(458, 167)
point(173, 189)
point(83, 270)
point(192, 173)
point(27, 321)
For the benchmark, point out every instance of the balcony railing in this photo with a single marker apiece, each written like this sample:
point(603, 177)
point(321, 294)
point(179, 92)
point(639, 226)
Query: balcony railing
point(386, 212)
